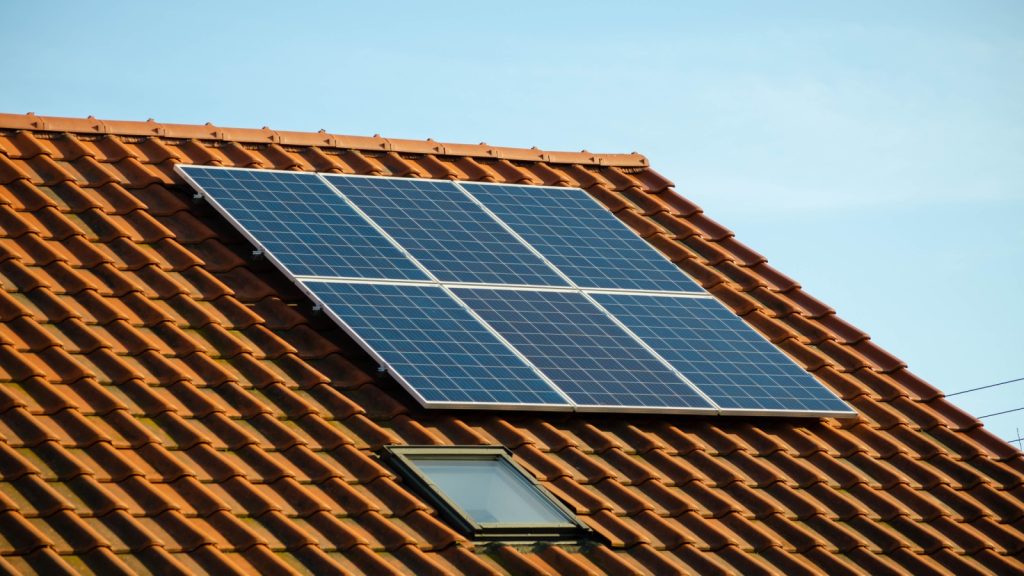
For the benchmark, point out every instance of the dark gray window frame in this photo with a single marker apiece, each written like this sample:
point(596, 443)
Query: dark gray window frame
point(400, 459)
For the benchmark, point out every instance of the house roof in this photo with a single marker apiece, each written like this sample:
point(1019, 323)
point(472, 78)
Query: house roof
point(170, 406)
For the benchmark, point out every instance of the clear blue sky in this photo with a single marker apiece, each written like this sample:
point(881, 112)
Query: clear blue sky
point(874, 151)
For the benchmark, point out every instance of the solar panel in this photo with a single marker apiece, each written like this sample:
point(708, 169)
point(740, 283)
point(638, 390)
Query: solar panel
point(449, 233)
point(390, 259)
point(581, 238)
point(734, 365)
point(428, 341)
point(581, 350)
point(303, 223)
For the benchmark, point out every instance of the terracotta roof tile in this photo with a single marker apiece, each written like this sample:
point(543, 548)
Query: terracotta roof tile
point(169, 405)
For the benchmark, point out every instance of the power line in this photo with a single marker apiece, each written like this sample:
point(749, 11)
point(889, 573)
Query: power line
point(985, 387)
point(1000, 413)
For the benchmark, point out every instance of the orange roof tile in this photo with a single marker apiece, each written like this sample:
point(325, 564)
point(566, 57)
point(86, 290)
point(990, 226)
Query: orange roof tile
point(168, 406)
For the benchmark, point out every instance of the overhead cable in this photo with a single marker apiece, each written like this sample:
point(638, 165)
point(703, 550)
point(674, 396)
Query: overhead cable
point(999, 413)
point(984, 387)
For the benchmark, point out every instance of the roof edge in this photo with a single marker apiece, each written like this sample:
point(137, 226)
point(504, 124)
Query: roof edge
point(266, 135)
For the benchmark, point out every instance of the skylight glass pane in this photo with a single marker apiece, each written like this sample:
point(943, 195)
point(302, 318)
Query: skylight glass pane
point(490, 491)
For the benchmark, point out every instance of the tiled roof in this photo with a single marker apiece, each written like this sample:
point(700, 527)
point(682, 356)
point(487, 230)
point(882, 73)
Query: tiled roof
point(170, 406)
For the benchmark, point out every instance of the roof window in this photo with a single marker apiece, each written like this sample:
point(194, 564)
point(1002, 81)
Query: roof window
point(483, 493)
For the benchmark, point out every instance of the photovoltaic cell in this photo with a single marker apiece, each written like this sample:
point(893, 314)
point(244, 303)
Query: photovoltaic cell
point(430, 341)
point(580, 349)
point(730, 362)
point(446, 231)
point(303, 223)
point(583, 239)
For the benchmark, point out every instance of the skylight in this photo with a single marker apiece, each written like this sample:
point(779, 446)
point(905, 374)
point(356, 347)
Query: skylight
point(483, 492)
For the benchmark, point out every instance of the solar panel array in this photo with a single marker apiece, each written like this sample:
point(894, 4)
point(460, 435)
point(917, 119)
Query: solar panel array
point(478, 295)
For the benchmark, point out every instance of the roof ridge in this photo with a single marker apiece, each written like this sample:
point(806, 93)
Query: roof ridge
point(265, 135)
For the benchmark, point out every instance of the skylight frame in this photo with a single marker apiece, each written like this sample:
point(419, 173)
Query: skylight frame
point(402, 459)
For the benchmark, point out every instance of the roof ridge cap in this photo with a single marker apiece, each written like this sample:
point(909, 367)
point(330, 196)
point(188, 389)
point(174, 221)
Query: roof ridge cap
point(265, 135)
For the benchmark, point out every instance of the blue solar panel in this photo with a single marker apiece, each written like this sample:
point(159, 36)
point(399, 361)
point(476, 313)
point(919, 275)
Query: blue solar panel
point(581, 350)
point(426, 338)
point(730, 362)
point(303, 223)
point(448, 233)
point(583, 239)
point(581, 356)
